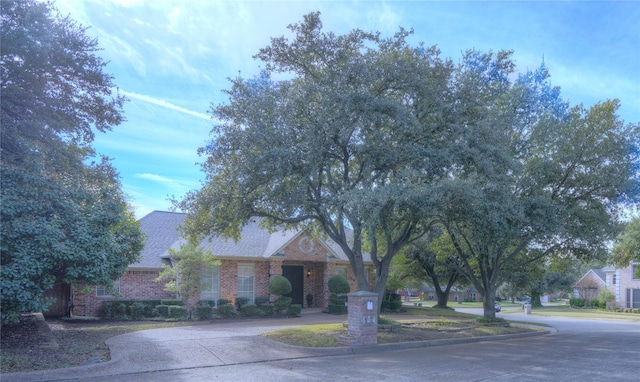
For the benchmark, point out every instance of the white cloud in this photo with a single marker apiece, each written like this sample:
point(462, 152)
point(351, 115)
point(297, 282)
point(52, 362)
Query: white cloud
point(164, 104)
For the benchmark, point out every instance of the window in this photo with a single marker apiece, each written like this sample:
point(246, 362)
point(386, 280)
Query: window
point(245, 281)
point(210, 287)
point(342, 271)
point(473, 296)
point(102, 291)
point(613, 279)
point(634, 272)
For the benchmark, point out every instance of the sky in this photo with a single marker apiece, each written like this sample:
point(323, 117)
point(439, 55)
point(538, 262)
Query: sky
point(172, 59)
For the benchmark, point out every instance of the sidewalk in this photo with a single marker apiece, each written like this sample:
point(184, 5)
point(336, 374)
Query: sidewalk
point(209, 346)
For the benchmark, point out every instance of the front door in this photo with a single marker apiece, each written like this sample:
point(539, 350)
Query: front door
point(295, 275)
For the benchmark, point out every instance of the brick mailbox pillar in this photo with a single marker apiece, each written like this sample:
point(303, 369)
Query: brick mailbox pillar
point(363, 319)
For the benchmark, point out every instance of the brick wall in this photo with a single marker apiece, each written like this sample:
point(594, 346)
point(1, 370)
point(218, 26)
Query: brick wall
point(134, 285)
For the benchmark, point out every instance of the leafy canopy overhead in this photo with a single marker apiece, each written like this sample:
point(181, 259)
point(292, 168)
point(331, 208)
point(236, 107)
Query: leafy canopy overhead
point(64, 216)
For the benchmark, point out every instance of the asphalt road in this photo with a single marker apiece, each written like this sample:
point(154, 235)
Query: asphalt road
point(579, 350)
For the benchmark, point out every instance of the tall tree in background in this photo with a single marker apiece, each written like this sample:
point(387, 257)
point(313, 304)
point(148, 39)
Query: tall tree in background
point(533, 177)
point(627, 246)
point(64, 216)
point(333, 147)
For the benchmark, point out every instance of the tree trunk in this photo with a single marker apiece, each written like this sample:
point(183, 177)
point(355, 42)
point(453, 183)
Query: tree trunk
point(488, 301)
point(535, 299)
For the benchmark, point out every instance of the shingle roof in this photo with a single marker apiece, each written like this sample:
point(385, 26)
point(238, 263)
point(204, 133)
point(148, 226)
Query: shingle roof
point(162, 233)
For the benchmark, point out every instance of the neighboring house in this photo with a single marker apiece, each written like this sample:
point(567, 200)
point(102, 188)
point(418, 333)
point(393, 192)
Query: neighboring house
point(455, 294)
point(245, 270)
point(622, 282)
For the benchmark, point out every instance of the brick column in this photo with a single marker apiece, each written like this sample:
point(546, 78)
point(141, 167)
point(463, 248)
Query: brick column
point(363, 319)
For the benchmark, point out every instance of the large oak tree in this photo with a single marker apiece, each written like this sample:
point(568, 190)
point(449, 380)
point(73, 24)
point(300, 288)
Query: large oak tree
point(64, 216)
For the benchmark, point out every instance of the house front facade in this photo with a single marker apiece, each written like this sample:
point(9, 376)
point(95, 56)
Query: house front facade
point(246, 266)
point(622, 282)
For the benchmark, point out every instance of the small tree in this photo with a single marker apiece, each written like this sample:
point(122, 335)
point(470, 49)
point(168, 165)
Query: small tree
point(606, 299)
point(280, 286)
point(185, 276)
point(339, 287)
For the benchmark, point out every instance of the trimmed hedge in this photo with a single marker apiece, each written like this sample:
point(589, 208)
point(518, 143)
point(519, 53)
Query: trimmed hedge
point(268, 309)
point(163, 310)
point(339, 285)
point(251, 310)
point(282, 303)
point(226, 310)
point(171, 301)
point(576, 302)
point(122, 309)
point(178, 312)
point(279, 285)
point(240, 302)
point(224, 301)
point(261, 300)
point(203, 312)
point(294, 309)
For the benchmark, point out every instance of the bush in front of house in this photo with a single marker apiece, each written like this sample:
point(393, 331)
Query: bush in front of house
point(137, 310)
point(339, 287)
point(261, 300)
point(576, 302)
point(203, 312)
point(163, 310)
point(280, 286)
point(268, 309)
point(124, 309)
point(178, 312)
point(170, 301)
point(240, 302)
point(210, 303)
point(251, 310)
point(294, 309)
point(224, 301)
point(226, 310)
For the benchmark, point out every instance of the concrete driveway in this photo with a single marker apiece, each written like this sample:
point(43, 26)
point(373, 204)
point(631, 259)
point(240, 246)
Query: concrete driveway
point(579, 351)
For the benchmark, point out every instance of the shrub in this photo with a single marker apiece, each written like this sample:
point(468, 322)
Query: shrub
point(294, 309)
point(178, 312)
point(170, 301)
point(595, 304)
point(338, 285)
point(268, 309)
point(203, 312)
point(391, 306)
point(605, 297)
point(279, 285)
point(209, 303)
point(163, 310)
point(576, 302)
point(251, 310)
point(226, 310)
point(261, 300)
point(224, 301)
point(137, 310)
point(309, 300)
point(282, 303)
point(240, 302)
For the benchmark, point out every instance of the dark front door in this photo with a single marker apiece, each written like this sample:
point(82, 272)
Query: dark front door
point(295, 275)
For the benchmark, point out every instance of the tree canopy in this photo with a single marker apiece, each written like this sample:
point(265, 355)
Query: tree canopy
point(372, 142)
point(64, 216)
point(627, 245)
point(329, 147)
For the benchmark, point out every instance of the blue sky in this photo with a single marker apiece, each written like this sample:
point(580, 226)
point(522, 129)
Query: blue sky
point(172, 60)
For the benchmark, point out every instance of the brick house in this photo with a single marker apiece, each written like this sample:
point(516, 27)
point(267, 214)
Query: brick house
point(622, 282)
point(245, 270)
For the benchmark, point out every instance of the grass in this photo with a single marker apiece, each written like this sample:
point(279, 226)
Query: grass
point(567, 311)
point(324, 335)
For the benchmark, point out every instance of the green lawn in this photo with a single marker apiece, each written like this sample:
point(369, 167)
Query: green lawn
point(567, 311)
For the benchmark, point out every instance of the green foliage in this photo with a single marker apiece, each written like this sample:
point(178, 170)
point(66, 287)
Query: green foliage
point(224, 301)
point(251, 310)
point(64, 215)
point(178, 312)
point(171, 301)
point(627, 245)
point(268, 309)
point(576, 302)
point(279, 285)
point(294, 309)
point(339, 285)
point(240, 302)
point(163, 310)
point(226, 310)
point(128, 309)
point(137, 310)
point(605, 297)
point(261, 300)
point(203, 312)
point(189, 265)
point(309, 300)
point(281, 304)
